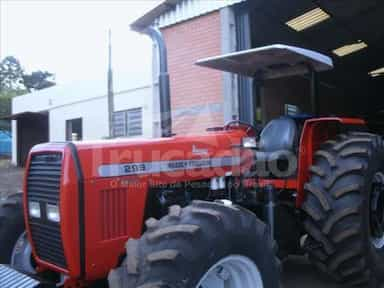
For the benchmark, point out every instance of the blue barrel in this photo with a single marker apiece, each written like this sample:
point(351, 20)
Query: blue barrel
point(5, 144)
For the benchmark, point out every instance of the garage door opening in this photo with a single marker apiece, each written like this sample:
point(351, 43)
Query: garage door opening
point(349, 90)
point(32, 129)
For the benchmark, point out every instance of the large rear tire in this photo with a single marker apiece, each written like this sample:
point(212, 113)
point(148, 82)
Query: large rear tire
point(345, 209)
point(202, 245)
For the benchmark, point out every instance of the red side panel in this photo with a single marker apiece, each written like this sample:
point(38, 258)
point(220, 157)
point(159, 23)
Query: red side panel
point(315, 132)
point(115, 203)
point(114, 212)
point(100, 210)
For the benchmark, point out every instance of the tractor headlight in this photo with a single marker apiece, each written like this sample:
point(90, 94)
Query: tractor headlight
point(34, 209)
point(53, 213)
point(249, 142)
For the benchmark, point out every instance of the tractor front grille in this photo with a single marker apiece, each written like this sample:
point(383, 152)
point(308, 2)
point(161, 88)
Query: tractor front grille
point(43, 186)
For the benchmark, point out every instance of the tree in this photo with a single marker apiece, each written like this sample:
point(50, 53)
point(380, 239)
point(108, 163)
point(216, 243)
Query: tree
point(14, 82)
point(14, 78)
point(5, 106)
point(37, 80)
point(11, 74)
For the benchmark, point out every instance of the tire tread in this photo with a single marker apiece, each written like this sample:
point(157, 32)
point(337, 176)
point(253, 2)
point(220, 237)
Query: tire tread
point(334, 206)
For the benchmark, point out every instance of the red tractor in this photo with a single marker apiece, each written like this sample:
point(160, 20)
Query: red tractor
point(212, 210)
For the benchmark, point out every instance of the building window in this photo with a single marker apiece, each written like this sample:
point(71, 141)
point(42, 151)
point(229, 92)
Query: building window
point(74, 129)
point(134, 122)
point(119, 124)
point(128, 123)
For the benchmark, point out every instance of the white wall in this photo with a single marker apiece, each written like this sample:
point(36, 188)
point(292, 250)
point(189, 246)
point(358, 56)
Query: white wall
point(87, 101)
point(136, 98)
point(94, 114)
point(57, 96)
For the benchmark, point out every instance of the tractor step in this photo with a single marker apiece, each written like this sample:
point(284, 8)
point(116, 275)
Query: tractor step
point(10, 278)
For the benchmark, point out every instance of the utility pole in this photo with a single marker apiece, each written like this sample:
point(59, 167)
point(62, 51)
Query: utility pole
point(110, 87)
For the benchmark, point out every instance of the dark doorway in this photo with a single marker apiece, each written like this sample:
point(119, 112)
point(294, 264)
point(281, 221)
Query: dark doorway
point(74, 129)
point(348, 90)
point(32, 129)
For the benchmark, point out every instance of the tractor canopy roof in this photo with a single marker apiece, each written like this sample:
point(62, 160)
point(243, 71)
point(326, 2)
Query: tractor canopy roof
point(270, 62)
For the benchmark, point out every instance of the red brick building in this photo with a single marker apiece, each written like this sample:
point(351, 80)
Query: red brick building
point(196, 99)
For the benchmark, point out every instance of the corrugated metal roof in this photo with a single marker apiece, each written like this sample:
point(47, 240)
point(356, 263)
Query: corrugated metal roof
point(189, 9)
point(170, 12)
point(149, 17)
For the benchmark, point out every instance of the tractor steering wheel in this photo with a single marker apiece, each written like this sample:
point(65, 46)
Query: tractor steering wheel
point(242, 125)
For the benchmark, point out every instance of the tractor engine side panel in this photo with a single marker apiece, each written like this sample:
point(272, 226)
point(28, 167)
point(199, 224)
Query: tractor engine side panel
point(102, 192)
point(118, 178)
point(114, 212)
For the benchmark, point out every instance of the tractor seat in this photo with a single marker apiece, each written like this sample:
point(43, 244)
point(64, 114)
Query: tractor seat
point(279, 134)
point(278, 146)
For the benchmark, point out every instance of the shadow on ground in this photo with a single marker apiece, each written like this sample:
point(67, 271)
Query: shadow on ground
point(298, 273)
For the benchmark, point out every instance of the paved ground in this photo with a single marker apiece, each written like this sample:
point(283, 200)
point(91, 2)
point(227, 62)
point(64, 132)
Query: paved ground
point(10, 178)
point(297, 273)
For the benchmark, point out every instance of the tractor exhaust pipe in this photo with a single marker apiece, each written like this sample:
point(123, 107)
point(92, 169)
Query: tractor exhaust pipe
point(165, 97)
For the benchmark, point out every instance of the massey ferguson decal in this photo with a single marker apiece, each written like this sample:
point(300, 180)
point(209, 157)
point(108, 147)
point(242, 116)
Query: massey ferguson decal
point(113, 170)
point(199, 151)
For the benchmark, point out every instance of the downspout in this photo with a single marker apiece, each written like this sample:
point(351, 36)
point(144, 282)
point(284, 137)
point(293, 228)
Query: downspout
point(164, 88)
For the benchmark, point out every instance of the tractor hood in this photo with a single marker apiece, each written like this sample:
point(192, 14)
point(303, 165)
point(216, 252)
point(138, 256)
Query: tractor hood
point(107, 180)
point(128, 157)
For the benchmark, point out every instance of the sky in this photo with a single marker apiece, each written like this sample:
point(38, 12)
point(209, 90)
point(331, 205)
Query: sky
point(70, 38)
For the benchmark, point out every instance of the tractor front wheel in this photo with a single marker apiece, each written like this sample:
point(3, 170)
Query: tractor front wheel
point(345, 209)
point(16, 250)
point(203, 245)
point(11, 225)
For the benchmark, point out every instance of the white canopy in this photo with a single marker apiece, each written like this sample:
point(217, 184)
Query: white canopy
point(270, 62)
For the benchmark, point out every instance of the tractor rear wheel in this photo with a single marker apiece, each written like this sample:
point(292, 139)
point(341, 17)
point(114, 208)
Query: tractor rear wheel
point(203, 245)
point(345, 209)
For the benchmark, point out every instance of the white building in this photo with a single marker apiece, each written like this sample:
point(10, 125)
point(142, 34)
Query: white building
point(80, 111)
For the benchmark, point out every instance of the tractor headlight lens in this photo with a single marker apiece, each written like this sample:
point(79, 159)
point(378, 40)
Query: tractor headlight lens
point(249, 142)
point(34, 209)
point(53, 213)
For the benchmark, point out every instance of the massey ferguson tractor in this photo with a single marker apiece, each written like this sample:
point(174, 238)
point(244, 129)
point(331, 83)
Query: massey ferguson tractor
point(220, 209)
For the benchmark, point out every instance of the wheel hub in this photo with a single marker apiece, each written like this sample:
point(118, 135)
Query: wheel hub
point(377, 211)
point(232, 272)
point(22, 259)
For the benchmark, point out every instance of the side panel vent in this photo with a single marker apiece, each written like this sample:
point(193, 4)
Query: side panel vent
point(113, 213)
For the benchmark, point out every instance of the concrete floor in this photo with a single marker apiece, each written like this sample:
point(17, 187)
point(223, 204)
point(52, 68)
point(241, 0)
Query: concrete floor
point(10, 178)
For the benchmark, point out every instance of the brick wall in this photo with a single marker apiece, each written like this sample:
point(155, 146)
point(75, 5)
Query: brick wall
point(196, 92)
